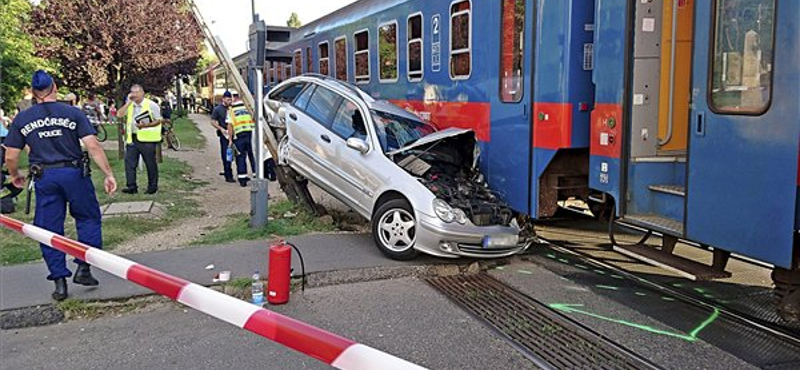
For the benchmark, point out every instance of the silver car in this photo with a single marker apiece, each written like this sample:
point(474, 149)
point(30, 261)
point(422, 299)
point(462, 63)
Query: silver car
point(419, 187)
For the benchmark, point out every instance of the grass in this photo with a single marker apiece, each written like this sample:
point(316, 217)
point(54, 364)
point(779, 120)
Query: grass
point(187, 131)
point(175, 189)
point(188, 134)
point(241, 283)
point(238, 226)
point(76, 309)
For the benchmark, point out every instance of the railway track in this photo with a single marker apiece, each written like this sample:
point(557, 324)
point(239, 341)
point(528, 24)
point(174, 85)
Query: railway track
point(745, 327)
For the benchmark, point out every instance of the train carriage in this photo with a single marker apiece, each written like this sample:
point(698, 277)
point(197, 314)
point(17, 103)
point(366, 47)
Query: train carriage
point(681, 116)
point(436, 59)
point(698, 138)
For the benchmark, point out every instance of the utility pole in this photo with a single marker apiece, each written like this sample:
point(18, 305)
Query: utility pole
point(259, 192)
point(291, 183)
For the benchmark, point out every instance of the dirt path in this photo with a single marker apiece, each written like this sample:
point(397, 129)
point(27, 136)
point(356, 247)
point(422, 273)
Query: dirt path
point(217, 199)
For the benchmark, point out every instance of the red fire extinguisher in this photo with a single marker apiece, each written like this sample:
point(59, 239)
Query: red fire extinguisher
point(280, 272)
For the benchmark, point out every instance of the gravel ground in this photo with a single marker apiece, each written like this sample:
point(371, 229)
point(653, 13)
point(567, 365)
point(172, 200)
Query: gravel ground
point(217, 199)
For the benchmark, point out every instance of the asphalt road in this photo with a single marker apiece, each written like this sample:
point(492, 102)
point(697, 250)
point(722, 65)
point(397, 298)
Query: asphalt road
point(404, 317)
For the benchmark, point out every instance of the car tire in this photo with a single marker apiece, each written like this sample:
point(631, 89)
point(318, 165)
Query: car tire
point(394, 229)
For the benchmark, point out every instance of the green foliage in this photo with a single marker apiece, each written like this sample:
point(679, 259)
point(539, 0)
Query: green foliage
point(174, 195)
point(294, 21)
point(286, 219)
point(179, 113)
point(105, 46)
point(241, 283)
point(206, 60)
point(188, 133)
point(17, 59)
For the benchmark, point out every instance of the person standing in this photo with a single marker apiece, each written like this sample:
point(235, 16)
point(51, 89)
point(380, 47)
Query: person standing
point(143, 134)
point(26, 101)
point(219, 120)
point(53, 131)
point(240, 135)
point(94, 109)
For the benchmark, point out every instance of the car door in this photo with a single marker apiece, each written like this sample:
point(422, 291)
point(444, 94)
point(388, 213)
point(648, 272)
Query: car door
point(356, 177)
point(742, 168)
point(308, 121)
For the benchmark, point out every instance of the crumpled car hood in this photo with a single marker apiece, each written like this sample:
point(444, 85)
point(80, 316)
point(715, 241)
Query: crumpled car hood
point(446, 163)
point(432, 138)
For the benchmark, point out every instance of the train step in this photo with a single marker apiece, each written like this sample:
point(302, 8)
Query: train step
point(674, 263)
point(676, 190)
point(657, 223)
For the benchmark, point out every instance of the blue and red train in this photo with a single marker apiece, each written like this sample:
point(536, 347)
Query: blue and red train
point(683, 117)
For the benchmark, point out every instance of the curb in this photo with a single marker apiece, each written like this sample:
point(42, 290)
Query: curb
point(45, 315)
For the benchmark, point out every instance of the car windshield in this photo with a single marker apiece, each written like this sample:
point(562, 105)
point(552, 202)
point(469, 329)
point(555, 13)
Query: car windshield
point(395, 132)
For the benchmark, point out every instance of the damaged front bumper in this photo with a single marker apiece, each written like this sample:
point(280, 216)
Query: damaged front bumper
point(442, 239)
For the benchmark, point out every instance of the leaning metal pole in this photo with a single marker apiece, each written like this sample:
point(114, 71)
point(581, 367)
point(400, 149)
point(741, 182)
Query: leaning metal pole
point(259, 192)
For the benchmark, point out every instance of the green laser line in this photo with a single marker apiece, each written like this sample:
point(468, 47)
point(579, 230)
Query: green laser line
point(691, 337)
point(708, 322)
point(607, 287)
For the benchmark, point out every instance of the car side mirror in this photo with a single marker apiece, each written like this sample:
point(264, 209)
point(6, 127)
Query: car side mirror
point(358, 145)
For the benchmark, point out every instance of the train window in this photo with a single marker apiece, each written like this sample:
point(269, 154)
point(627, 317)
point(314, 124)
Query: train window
point(460, 40)
point(741, 76)
point(271, 72)
point(362, 56)
point(340, 48)
point(309, 60)
point(511, 55)
point(324, 60)
point(415, 51)
point(287, 71)
point(298, 62)
point(387, 52)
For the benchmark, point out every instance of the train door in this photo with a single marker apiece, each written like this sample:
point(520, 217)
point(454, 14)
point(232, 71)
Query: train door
point(743, 165)
point(654, 195)
point(511, 106)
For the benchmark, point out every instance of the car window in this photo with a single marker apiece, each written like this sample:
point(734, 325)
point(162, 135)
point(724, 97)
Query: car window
point(322, 105)
point(287, 93)
point(395, 132)
point(349, 122)
point(302, 100)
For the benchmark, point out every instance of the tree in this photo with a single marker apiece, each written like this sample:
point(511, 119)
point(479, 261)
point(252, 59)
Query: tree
point(207, 59)
point(294, 21)
point(106, 46)
point(17, 59)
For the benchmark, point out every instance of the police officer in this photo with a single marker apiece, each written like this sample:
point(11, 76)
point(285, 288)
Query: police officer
point(143, 136)
point(53, 132)
point(219, 117)
point(240, 134)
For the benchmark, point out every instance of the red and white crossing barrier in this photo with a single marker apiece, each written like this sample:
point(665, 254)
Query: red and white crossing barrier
point(327, 347)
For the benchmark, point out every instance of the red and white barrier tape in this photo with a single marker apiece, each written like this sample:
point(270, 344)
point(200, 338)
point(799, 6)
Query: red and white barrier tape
point(327, 347)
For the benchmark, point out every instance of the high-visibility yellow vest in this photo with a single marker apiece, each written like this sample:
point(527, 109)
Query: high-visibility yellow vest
point(242, 120)
point(145, 135)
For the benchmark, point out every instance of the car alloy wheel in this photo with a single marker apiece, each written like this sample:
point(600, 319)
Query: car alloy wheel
point(395, 229)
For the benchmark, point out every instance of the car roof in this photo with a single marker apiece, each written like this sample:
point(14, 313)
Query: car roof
point(356, 93)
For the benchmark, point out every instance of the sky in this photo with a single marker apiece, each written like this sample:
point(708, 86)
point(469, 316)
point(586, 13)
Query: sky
point(230, 19)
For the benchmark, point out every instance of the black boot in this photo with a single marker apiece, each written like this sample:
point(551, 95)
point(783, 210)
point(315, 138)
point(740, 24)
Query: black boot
point(83, 276)
point(60, 293)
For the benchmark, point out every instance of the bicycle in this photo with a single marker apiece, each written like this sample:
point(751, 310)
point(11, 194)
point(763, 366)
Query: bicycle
point(170, 136)
point(102, 134)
